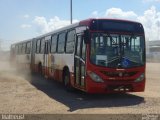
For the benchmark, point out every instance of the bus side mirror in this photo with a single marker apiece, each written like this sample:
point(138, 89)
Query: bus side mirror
point(86, 36)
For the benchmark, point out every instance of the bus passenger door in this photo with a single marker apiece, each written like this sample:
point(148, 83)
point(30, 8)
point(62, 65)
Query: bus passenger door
point(46, 51)
point(79, 62)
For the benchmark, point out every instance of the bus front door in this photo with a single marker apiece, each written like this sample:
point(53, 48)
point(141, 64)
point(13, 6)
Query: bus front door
point(79, 63)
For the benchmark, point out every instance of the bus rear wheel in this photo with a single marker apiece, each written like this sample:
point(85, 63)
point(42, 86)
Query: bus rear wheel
point(40, 68)
point(66, 81)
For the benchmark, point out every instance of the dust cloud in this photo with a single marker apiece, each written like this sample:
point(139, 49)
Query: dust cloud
point(153, 58)
point(19, 95)
point(9, 71)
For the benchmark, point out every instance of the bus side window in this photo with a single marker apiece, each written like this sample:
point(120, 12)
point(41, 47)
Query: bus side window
point(78, 44)
point(38, 46)
point(42, 46)
point(61, 42)
point(28, 48)
point(83, 50)
point(54, 44)
point(16, 49)
point(23, 48)
point(20, 49)
point(70, 41)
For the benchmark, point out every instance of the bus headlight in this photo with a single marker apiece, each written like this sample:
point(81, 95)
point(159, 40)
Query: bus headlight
point(140, 78)
point(95, 77)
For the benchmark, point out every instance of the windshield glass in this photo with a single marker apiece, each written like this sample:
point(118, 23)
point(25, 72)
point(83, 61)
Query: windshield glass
point(117, 50)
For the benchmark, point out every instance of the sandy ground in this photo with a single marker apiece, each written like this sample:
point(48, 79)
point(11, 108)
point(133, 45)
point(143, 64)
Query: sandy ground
point(23, 93)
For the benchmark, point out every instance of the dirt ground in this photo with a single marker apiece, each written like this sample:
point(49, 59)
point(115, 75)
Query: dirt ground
point(26, 94)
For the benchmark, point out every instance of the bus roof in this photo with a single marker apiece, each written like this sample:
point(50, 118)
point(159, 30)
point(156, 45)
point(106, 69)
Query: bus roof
point(86, 22)
point(28, 40)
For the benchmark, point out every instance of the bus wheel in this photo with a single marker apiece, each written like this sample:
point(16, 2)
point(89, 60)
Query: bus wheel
point(66, 81)
point(40, 68)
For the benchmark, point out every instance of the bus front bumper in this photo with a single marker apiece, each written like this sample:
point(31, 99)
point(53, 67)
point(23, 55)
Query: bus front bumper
point(114, 86)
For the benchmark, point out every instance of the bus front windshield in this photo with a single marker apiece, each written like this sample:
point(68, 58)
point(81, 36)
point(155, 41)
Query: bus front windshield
point(117, 50)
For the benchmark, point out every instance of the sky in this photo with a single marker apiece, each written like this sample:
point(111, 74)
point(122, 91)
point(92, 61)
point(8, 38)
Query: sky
point(25, 19)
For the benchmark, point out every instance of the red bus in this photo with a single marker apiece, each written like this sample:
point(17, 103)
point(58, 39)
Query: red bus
point(93, 55)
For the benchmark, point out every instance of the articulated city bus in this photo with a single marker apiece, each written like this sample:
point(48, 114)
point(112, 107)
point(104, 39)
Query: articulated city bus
point(94, 55)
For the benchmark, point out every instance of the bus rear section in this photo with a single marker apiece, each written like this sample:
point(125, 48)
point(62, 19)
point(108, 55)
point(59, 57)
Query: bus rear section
point(115, 60)
point(20, 55)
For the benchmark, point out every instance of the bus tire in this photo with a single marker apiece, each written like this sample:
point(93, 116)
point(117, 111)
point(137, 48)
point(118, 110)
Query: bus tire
point(40, 68)
point(66, 81)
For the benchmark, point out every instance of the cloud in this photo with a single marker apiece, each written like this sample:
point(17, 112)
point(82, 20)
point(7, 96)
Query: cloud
point(151, 1)
point(43, 25)
point(119, 13)
point(151, 23)
point(24, 26)
point(26, 16)
point(94, 14)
